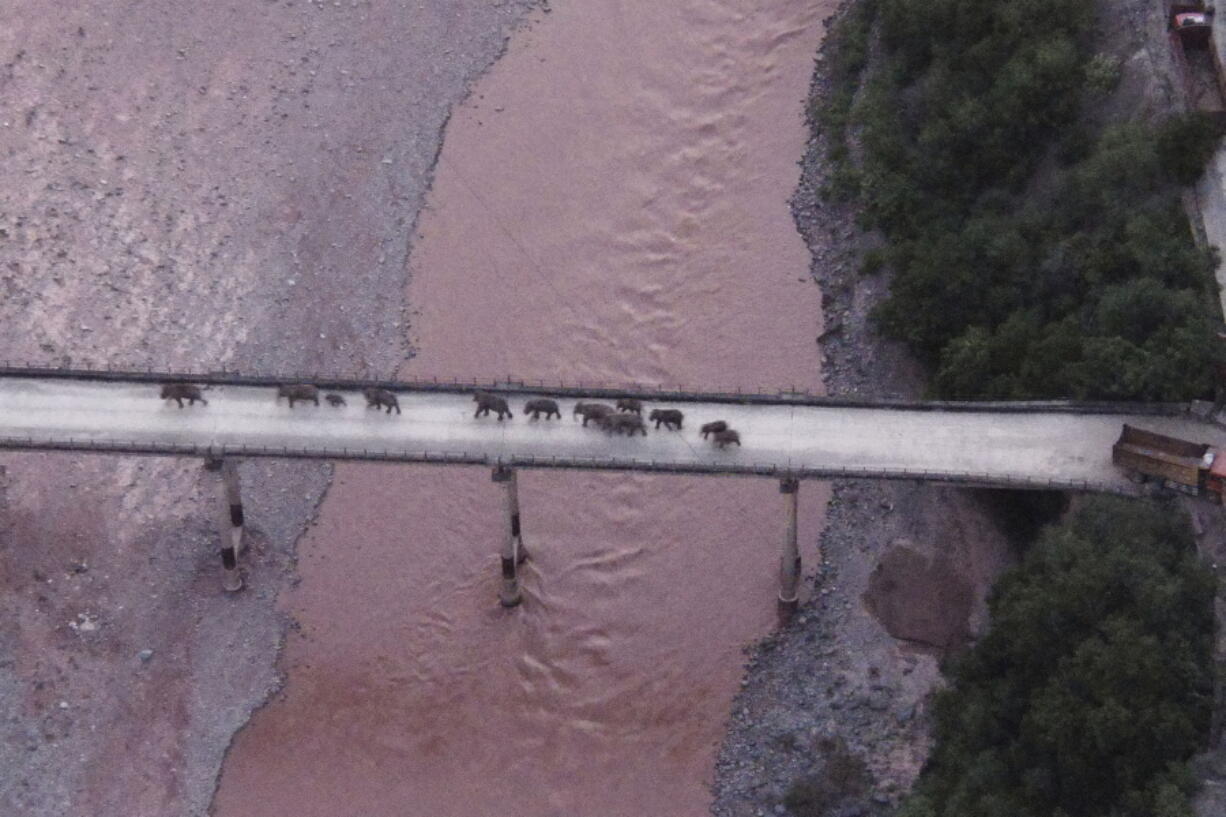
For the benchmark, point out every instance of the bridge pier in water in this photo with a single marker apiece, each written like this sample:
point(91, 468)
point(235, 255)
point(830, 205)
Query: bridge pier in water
point(229, 518)
point(789, 558)
point(513, 552)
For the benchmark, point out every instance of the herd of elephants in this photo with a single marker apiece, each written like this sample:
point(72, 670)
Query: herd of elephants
point(624, 418)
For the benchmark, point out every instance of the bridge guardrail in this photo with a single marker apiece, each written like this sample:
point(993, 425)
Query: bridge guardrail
point(983, 479)
point(580, 390)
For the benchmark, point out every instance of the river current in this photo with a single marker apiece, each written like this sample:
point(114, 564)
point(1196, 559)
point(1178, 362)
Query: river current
point(610, 205)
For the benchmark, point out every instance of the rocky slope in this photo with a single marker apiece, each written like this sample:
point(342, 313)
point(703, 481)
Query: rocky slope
point(835, 701)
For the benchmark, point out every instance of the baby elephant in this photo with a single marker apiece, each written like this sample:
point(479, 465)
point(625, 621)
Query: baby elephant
point(378, 398)
point(713, 428)
point(592, 411)
point(487, 402)
point(182, 391)
point(542, 406)
point(623, 424)
point(724, 438)
point(630, 404)
point(334, 400)
point(670, 417)
point(299, 391)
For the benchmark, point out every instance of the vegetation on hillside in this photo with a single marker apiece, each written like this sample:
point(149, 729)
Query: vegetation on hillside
point(1032, 258)
point(1094, 685)
point(1037, 254)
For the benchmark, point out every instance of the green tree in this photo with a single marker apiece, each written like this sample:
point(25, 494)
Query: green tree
point(1094, 259)
point(1094, 684)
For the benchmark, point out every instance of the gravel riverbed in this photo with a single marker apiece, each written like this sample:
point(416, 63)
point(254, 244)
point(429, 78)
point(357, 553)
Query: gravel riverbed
point(834, 689)
point(188, 186)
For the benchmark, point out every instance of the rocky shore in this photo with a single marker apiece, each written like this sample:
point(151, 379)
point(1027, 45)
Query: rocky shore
point(831, 718)
point(832, 709)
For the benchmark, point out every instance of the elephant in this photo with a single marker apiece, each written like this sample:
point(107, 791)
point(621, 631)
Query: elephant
point(541, 406)
point(670, 417)
point(378, 398)
point(487, 402)
point(182, 391)
point(299, 391)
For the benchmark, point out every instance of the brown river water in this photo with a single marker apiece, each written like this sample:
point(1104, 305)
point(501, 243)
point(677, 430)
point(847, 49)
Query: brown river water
point(610, 205)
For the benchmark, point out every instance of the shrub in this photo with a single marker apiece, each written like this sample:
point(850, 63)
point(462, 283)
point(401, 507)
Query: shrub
point(843, 775)
point(873, 261)
point(1094, 685)
point(1102, 73)
point(1087, 286)
point(1186, 143)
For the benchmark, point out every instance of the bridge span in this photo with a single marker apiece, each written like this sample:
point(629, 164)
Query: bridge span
point(788, 436)
point(1049, 445)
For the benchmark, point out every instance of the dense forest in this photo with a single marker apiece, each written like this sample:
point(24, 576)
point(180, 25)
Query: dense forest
point(1039, 251)
point(1034, 255)
point(1094, 684)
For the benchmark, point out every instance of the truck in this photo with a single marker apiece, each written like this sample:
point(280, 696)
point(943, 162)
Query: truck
point(1192, 468)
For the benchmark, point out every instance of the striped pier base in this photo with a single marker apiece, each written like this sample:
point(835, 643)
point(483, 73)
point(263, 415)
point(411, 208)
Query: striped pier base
point(513, 552)
point(789, 559)
point(230, 519)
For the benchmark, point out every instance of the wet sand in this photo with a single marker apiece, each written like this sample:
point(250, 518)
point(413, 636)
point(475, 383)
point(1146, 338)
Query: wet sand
point(609, 205)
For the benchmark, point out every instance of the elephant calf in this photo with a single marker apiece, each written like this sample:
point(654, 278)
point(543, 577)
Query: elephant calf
point(726, 437)
point(713, 428)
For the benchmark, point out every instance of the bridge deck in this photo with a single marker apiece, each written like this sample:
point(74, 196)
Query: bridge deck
point(1060, 449)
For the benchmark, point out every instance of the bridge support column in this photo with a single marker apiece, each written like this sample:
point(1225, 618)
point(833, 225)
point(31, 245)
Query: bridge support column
point(229, 519)
point(789, 559)
point(513, 551)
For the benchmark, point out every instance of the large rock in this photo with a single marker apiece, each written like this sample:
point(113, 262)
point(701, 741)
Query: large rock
point(920, 599)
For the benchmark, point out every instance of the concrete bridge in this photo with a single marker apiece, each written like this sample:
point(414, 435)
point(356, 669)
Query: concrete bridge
point(788, 436)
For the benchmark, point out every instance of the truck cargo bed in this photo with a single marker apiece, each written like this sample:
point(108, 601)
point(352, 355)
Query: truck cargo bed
point(1157, 455)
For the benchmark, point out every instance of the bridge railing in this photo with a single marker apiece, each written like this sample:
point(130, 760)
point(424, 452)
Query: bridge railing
point(982, 479)
point(561, 388)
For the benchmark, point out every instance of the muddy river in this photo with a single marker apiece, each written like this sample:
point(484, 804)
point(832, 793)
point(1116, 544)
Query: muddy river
point(610, 205)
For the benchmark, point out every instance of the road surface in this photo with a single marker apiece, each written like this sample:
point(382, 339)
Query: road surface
point(980, 446)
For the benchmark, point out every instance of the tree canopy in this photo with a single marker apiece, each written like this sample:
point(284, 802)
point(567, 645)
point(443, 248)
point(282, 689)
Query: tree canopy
point(1094, 684)
point(1032, 258)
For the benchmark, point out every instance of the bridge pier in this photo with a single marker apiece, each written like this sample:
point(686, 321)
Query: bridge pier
point(789, 559)
point(513, 551)
point(229, 519)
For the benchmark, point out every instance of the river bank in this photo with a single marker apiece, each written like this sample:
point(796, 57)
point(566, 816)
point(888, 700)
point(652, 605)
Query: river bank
point(190, 186)
point(609, 205)
point(808, 704)
point(148, 231)
point(832, 706)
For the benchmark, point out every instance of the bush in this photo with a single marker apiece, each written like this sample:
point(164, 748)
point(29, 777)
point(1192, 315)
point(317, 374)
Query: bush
point(1087, 286)
point(847, 55)
point(843, 776)
point(1187, 142)
point(1103, 73)
point(872, 262)
point(1094, 685)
